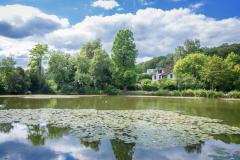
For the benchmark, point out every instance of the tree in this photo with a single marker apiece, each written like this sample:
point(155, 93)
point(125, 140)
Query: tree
point(191, 65)
point(189, 46)
point(7, 69)
point(233, 63)
point(83, 77)
point(37, 55)
point(101, 69)
point(161, 61)
point(124, 55)
point(61, 69)
point(20, 82)
point(222, 50)
point(232, 60)
point(12, 80)
point(87, 50)
point(216, 73)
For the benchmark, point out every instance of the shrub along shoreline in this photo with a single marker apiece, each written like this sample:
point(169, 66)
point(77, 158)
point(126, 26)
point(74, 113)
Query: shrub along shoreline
point(186, 93)
point(160, 93)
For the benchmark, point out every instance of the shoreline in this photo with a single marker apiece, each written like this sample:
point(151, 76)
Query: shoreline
point(46, 96)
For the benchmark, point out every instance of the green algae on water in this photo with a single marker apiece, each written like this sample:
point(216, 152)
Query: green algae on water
point(148, 128)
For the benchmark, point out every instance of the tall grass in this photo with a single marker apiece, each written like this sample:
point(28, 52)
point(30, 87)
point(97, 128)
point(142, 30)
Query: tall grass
point(191, 93)
point(234, 94)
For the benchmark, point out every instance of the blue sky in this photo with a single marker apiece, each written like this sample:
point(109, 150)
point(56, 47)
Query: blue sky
point(158, 25)
point(76, 10)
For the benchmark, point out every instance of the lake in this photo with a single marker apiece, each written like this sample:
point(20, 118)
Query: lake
point(118, 127)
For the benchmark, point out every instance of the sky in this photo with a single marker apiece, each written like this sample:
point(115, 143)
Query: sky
point(158, 25)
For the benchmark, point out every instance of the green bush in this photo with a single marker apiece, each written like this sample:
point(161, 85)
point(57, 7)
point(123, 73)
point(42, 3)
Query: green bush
point(193, 93)
point(234, 94)
point(111, 90)
point(200, 93)
point(168, 84)
point(68, 89)
point(176, 93)
point(214, 94)
point(163, 93)
point(187, 93)
point(148, 85)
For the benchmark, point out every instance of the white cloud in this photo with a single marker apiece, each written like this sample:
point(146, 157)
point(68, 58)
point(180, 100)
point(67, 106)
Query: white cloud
point(105, 4)
point(197, 5)
point(156, 32)
point(18, 21)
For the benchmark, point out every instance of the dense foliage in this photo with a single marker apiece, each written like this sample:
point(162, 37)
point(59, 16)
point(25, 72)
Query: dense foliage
point(199, 71)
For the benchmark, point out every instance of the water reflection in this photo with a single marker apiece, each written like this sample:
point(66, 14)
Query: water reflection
point(228, 111)
point(45, 142)
point(194, 148)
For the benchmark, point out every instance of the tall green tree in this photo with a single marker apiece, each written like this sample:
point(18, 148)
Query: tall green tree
point(13, 80)
point(61, 69)
point(189, 46)
point(7, 69)
point(192, 65)
point(124, 55)
point(37, 56)
point(216, 73)
point(20, 81)
point(189, 70)
point(101, 69)
point(88, 48)
point(233, 63)
point(83, 77)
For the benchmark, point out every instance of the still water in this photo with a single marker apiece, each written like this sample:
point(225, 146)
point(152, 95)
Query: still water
point(93, 127)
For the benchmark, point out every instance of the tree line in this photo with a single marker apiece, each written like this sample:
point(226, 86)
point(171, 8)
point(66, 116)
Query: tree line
point(93, 71)
point(90, 71)
point(197, 67)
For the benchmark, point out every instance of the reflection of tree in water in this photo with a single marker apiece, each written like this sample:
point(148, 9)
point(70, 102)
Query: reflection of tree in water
point(56, 132)
point(93, 145)
point(194, 148)
point(6, 127)
point(228, 138)
point(37, 134)
point(122, 150)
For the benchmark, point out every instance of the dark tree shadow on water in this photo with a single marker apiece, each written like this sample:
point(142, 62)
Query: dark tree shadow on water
point(122, 150)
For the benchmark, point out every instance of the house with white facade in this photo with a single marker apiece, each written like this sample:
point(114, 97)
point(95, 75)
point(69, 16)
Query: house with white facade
point(160, 73)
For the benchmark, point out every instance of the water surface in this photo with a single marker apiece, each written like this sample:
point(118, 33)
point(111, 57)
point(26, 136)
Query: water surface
point(49, 141)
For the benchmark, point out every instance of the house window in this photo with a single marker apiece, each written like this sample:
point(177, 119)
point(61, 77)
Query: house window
point(159, 71)
point(160, 77)
point(171, 76)
point(154, 77)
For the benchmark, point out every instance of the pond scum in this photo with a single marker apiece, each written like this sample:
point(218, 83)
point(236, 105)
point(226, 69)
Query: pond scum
point(147, 128)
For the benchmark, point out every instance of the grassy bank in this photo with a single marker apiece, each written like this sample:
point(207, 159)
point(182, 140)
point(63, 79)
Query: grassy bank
point(186, 93)
point(163, 93)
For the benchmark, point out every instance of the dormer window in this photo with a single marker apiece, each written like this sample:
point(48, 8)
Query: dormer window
point(159, 71)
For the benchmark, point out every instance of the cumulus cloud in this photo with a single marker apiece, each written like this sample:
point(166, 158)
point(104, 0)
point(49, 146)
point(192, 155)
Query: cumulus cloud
point(105, 4)
point(156, 32)
point(18, 21)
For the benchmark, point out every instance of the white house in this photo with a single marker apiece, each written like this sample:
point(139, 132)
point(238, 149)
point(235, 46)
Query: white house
point(160, 73)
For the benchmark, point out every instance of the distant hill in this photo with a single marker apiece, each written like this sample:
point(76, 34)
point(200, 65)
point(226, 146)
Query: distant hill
point(168, 60)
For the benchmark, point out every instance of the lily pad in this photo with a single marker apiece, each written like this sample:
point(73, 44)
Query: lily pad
point(148, 128)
